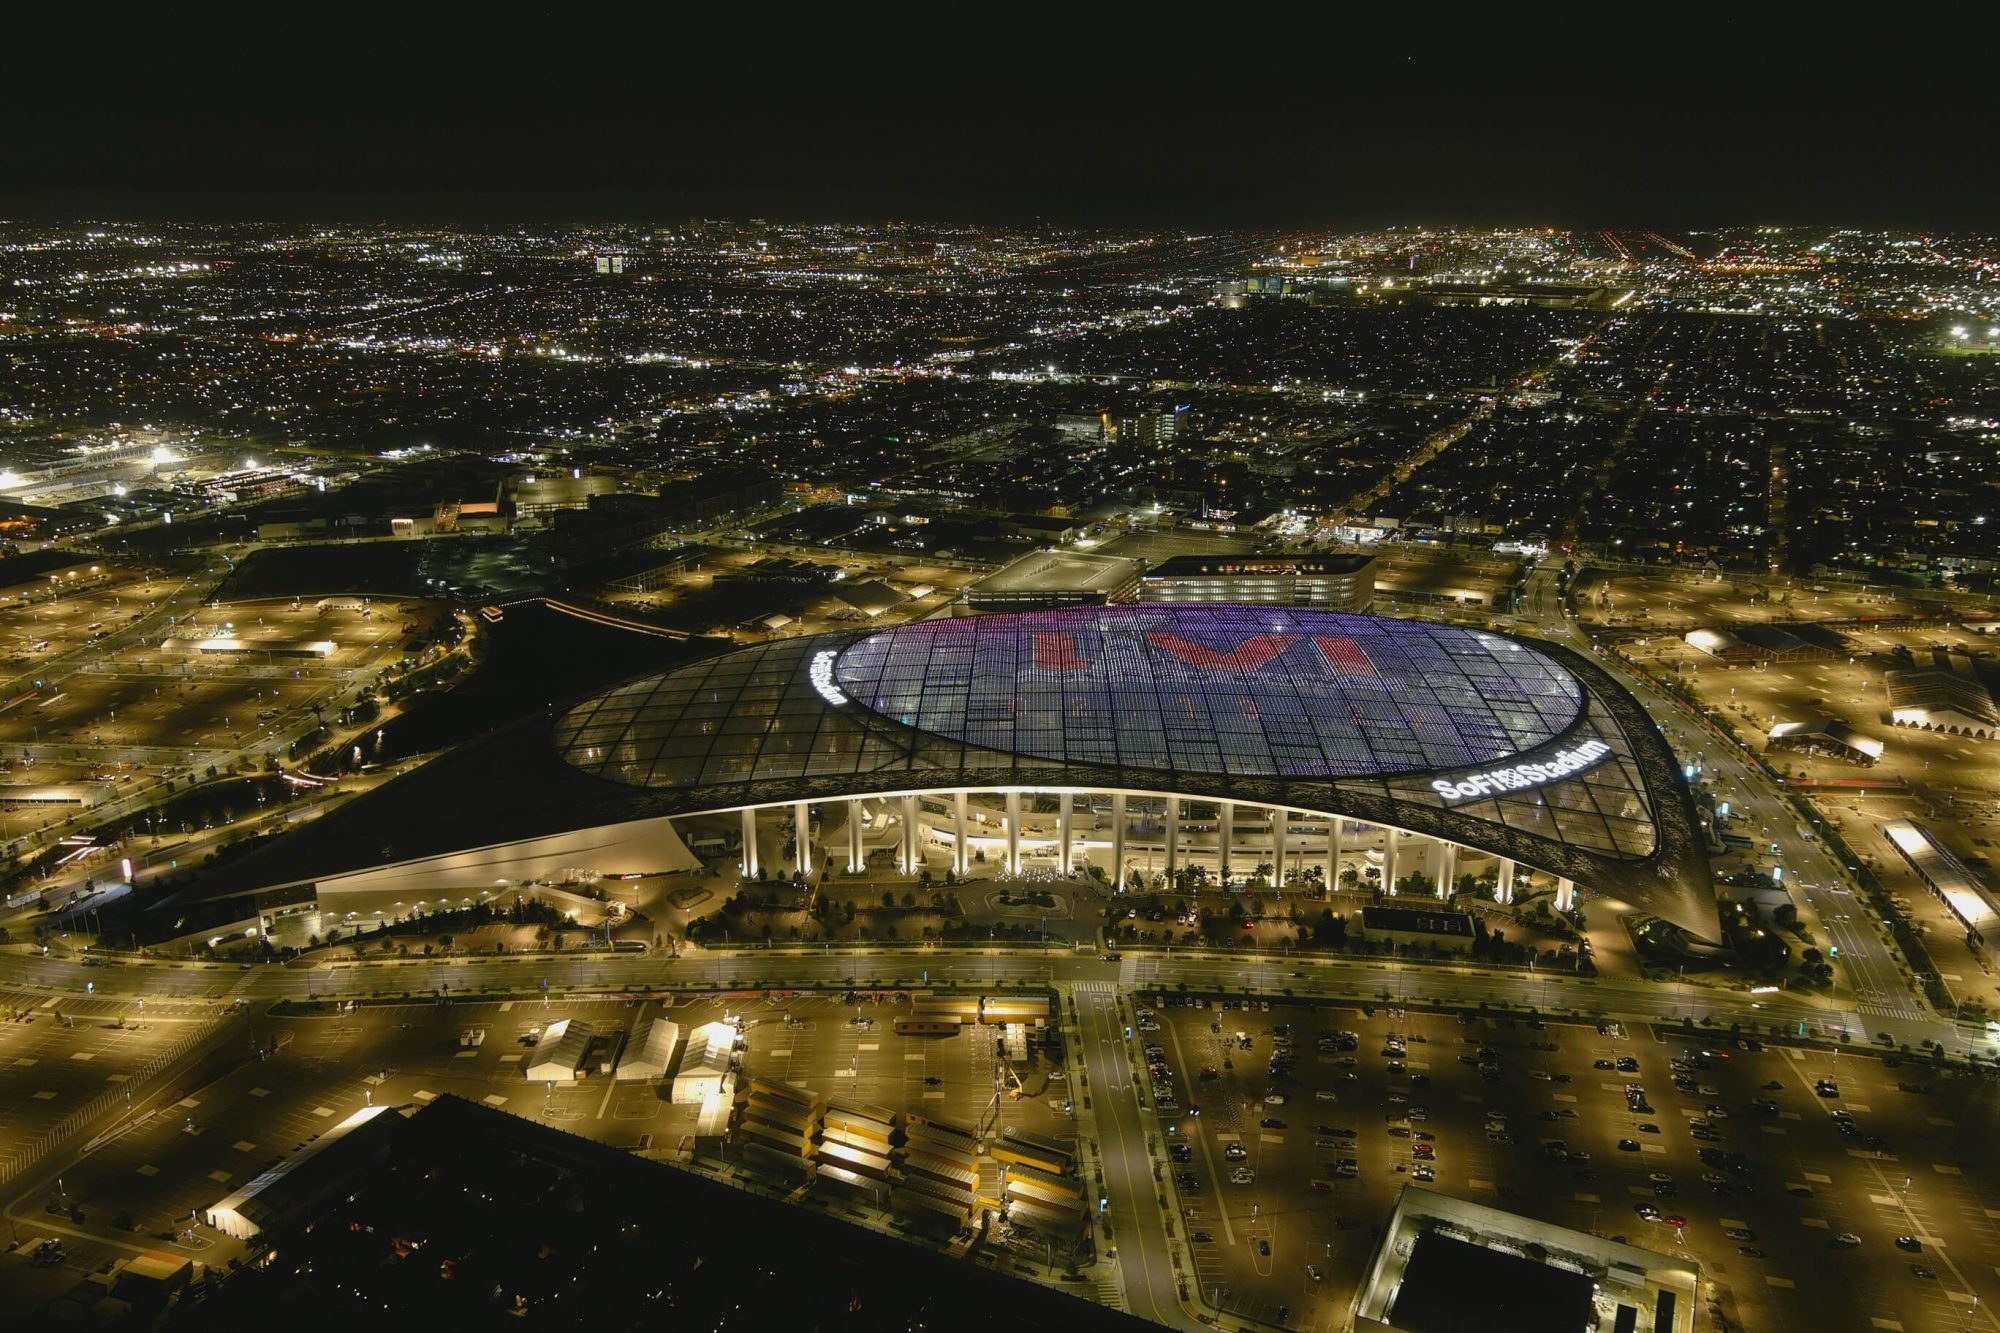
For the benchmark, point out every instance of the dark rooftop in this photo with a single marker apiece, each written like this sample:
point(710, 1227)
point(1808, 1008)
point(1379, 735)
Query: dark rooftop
point(1453, 1286)
point(1416, 921)
point(477, 1215)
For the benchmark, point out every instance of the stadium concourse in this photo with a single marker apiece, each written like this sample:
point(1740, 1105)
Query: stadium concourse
point(1119, 739)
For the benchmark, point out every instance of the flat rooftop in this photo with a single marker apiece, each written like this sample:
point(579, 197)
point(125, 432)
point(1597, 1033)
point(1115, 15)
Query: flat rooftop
point(1454, 1286)
point(1058, 572)
point(1966, 896)
point(1245, 566)
point(1416, 921)
point(1450, 1265)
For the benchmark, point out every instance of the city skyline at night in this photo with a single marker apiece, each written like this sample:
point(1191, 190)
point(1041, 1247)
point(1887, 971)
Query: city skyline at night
point(895, 671)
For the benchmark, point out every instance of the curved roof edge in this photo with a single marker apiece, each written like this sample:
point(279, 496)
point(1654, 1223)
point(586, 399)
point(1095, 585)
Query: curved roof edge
point(511, 786)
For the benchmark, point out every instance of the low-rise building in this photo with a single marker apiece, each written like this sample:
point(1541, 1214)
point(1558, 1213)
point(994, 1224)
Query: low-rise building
point(1045, 579)
point(705, 1064)
point(1331, 582)
point(1446, 1264)
point(1942, 699)
point(1827, 736)
point(1418, 927)
point(286, 1194)
point(651, 1051)
point(560, 1052)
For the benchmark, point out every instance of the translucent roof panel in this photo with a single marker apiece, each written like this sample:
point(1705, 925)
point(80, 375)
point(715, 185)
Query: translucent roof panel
point(1239, 691)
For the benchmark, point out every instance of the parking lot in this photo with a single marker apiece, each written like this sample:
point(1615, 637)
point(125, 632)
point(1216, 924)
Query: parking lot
point(40, 622)
point(319, 1068)
point(213, 711)
point(1798, 1187)
point(63, 1057)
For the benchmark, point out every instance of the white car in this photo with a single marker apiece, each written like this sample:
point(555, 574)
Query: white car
point(1242, 1175)
point(1274, 1099)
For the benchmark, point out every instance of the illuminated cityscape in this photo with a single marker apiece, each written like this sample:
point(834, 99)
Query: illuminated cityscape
point(1367, 706)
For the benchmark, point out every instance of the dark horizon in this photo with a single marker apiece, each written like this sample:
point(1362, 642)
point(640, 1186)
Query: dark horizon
point(1582, 122)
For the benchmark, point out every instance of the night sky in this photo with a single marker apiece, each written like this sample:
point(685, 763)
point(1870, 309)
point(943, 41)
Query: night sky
point(1670, 117)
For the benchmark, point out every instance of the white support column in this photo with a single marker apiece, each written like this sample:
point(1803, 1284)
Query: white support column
point(1447, 867)
point(749, 843)
point(1118, 843)
point(1064, 800)
point(1503, 888)
point(1389, 862)
point(1334, 828)
point(961, 855)
point(856, 858)
point(1013, 833)
point(802, 823)
point(1565, 895)
point(1225, 829)
point(1281, 827)
point(911, 856)
point(1173, 836)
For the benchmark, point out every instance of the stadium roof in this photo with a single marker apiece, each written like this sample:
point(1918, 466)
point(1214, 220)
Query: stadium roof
point(1528, 751)
point(1231, 691)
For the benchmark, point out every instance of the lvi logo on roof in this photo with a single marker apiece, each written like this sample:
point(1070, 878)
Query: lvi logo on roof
point(1057, 651)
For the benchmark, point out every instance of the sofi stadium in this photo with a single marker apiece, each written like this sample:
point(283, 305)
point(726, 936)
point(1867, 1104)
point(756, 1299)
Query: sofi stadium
point(1123, 741)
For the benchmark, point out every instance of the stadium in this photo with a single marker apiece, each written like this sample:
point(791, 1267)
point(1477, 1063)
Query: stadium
point(1127, 742)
